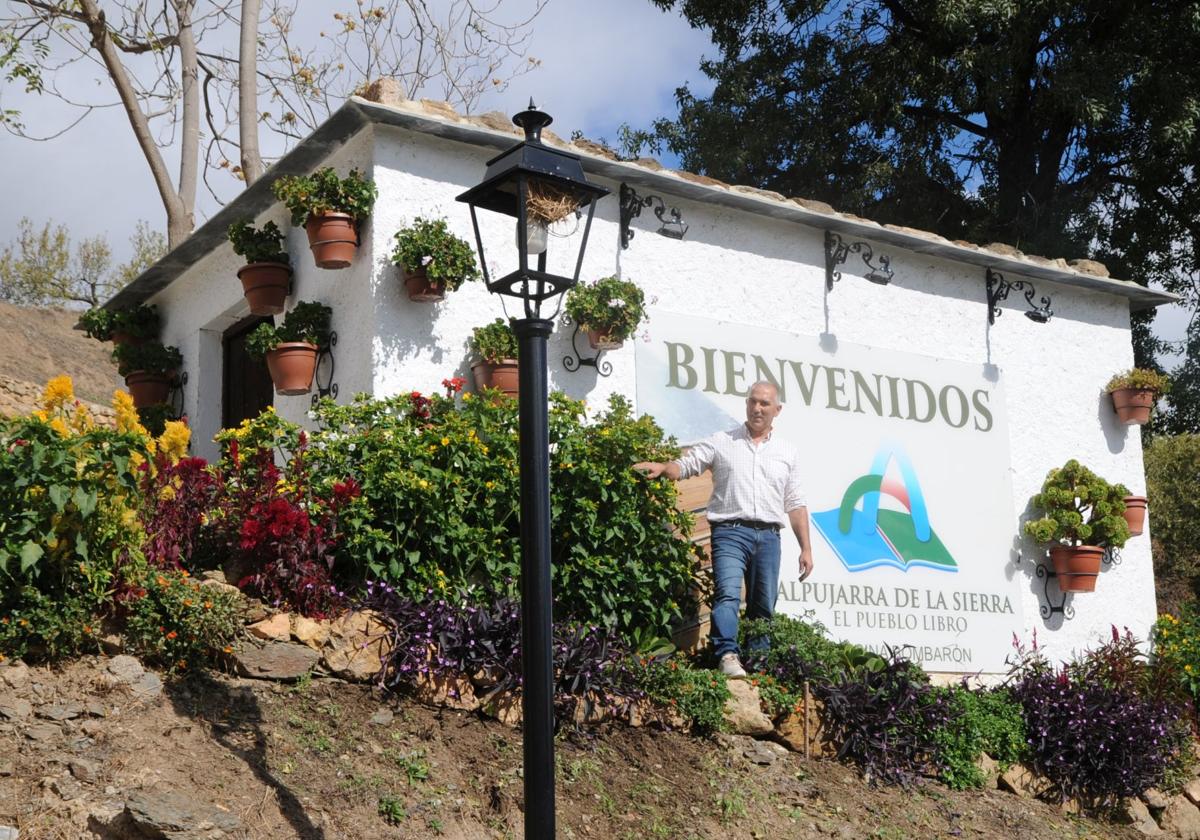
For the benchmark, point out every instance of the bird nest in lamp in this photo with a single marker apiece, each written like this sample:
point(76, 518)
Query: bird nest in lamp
point(547, 204)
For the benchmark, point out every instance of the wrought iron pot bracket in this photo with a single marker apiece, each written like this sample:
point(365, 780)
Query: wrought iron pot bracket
point(175, 395)
point(631, 207)
point(998, 289)
point(1048, 608)
point(576, 360)
point(837, 250)
point(323, 376)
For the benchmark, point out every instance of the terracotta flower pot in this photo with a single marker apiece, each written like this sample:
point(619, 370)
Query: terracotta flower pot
point(1133, 405)
point(333, 238)
point(421, 288)
point(1135, 514)
point(148, 388)
point(292, 366)
point(1077, 566)
point(502, 375)
point(266, 286)
point(603, 340)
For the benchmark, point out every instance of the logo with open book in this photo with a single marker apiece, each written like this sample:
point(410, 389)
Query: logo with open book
point(865, 534)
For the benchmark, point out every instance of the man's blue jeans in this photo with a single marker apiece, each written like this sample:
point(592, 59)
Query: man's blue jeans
point(741, 553)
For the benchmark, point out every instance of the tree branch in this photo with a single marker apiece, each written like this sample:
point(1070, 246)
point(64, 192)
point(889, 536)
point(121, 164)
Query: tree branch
point(957, 120)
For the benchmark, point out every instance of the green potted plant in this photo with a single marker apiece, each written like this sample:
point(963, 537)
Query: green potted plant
point(495, 348)
point(149, 369)
point(331, 209)
point(1134, 393)
point(608, 310)
point(291, 348)
point(433, 259)
point(267, 275)
point(1081, 515)
point(121, 326)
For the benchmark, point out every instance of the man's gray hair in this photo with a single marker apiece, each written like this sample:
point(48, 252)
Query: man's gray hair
point(766, 383)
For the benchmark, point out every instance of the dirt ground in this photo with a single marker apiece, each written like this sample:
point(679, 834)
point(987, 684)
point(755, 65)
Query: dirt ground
point(39, 344)
point(328, 759)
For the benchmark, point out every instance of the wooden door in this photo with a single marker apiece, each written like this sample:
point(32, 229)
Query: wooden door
point(247, 387)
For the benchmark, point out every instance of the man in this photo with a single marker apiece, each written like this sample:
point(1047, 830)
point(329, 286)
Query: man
point(756, 490)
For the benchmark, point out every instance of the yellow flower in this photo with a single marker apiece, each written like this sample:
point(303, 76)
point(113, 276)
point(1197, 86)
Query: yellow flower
point(445, 441)
point(423, 484)
point(467, 396)
point(166, 494)
point(59, 426)
point(174, 440)
point(59, 391)
point(127, 416)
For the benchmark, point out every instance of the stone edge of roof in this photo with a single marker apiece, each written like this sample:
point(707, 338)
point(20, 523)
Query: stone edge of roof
point(496, 130)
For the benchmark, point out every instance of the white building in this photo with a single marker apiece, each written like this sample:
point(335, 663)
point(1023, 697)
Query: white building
point(958, 417)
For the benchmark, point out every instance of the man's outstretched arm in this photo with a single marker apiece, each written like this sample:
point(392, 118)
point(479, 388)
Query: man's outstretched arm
point(653, 469)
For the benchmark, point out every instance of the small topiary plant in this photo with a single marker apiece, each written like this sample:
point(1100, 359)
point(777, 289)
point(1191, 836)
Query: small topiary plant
point(150, 357)
point(494, 342)
point(308, 322)
point(258, 246)
point(1139, 379)
point(1079, 507)
point(610, 305)
point(324, 192)
point(428, 244)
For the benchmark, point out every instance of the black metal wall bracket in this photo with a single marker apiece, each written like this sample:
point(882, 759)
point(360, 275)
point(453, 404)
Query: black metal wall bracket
point(631, 207)
point(1048, 608)
point(836, 252)
point(323, 376)
point(998, 289)
point(576, 360)
point(175, 395)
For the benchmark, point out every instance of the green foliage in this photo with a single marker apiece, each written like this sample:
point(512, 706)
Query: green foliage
point(494, 342)
point(610, 303)
point(308, 321)
point(180, 624)
point(698, 694)
point(1139, 379)
point(139, 323)
point(324, 192)
point(982, 721)
point(1079, 507)
point(1173, 490)
point(1176, 640)
point(150, 357)
point(429, 244)
point(266, 245)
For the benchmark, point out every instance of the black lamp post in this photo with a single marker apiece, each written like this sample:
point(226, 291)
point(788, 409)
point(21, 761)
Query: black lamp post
point(531, 168)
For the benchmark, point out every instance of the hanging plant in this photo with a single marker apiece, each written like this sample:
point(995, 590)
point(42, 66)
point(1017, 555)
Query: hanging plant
point(609, 310)
point(433, 259)
point(1134, 393)
point(149, 369)
point(267, 276)
point(495, 348)
point(291, 348)
point(331, 210)
point(122, 326)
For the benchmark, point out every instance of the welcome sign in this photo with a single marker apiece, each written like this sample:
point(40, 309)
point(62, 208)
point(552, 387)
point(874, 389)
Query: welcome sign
point(906, 475)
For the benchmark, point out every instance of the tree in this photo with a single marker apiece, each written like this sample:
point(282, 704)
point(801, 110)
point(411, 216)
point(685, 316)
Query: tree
point(1063, 128)
point(41, 268)
point(189, 73)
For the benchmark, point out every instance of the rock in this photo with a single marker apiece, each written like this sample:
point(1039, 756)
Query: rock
point(357, 643)
point(66, 788)
point(1155, 798)
point(762, 753)
point(504, 707)
point(7, 832)
point(1181, 818)
point(59, 712)
point(441, 108)
point(146, 687)
point(1003, 249)
point(1022, 781)
point(699, 179)
point(594, 148)
point(385, 90)
point(82, 769)
point(497, 121)
point(452, 692)
point(111, 643)
point(275, 661)
point(15, 708)
point(815, 206)
point(91, 728)
point(383, 717)
point(1135, 813)
point(743, 710)
point(1192, 791)
point(312, 633)
point(990, 770)
point(42, 732)
point(6, 768)
point(15, 674)
point(790, 731)
point(1096, 269)
point(95, 710)
point(175, 816)
point(126, 668)
point(277, 628)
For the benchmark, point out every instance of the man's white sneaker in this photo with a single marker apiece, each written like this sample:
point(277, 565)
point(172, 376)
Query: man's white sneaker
point(731, 666)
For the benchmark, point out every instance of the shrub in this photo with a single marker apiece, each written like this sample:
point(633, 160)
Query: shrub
point(324, 192)
point(982, 721)
point(175, 502)
point(1173, 489)
point(610, 304)
point(1139, 379)
point(1079, 507)
point(180, 624)
point(428, 244)
point(799, 651)
point(140, 322)
point(307, 321)
point(1177, 650)
point(150, 357)
point(266, 245)
point(494, 343)
point(698, 694)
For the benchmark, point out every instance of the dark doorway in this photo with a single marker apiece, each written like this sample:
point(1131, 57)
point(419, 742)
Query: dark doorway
point(247, 387)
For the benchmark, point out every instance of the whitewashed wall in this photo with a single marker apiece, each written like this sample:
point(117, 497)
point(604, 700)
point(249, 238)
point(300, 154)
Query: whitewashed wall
point(734, 266)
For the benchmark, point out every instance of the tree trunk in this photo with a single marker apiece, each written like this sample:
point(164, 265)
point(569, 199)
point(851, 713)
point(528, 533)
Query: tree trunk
point(252, 165)
point(189, 153)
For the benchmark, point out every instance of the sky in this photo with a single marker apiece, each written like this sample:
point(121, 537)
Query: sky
point(602, 64)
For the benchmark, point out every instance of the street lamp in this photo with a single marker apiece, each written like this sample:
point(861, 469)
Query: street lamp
point(538, 185)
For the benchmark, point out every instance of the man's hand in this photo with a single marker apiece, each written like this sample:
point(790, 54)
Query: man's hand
point(806, 563)
point(650, 469)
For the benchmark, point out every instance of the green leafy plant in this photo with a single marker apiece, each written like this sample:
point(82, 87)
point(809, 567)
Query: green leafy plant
point(258, 246)
point(179, 624)
point(698, 694)
point(308, 321)
point(1140, 379)
point(97, 323)
point(982, 721)
point(609, 305)
point(1078, 507)
point(140, 322)
point(150, 357)
point(428, 244)
point(324, 192)
point(494, 342)
point(1173, 488)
